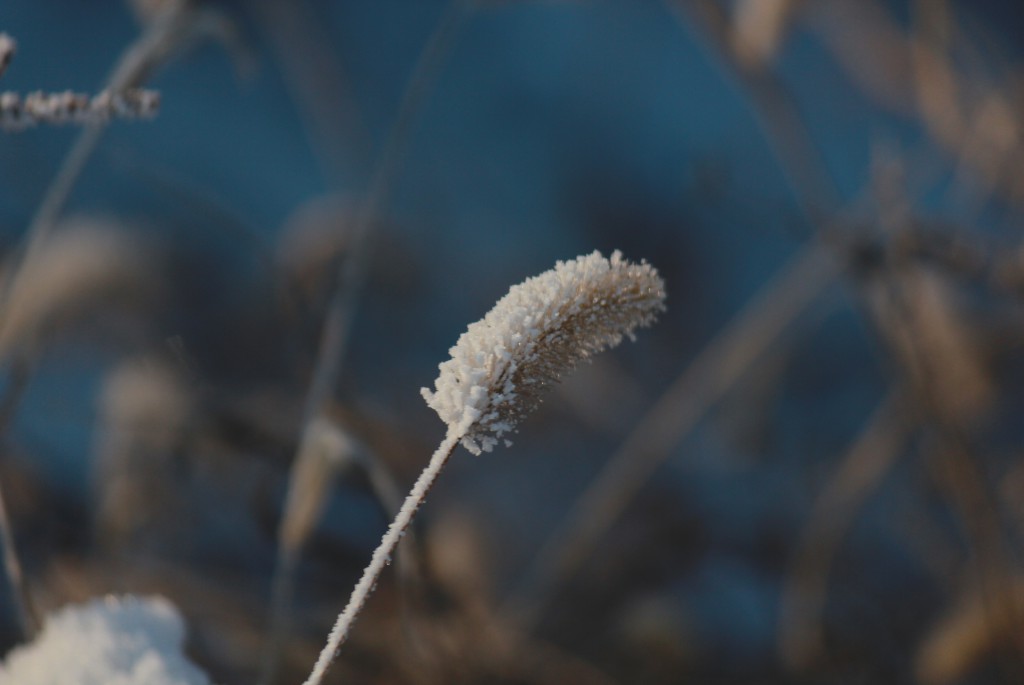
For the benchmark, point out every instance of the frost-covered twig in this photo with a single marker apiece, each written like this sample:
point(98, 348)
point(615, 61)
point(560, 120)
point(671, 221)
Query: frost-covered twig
point(18, 113)
point(118, 101)
point(172, 31)
point(499, 366)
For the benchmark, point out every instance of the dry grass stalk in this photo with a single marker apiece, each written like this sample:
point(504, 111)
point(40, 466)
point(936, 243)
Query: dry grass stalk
point(938, 92)
point(870, 46)
point(862, 468)
point(969, 633)
point(759, 29)
point(21, 596)
point(352, 270)
point(991, 145)
point(949, 447)
point(538, 331)
point(774, 109)
point(324, 451)
point(968, 109)
point(317, 84)
point(149, 10)
point(1011, 494)
point(937, 343)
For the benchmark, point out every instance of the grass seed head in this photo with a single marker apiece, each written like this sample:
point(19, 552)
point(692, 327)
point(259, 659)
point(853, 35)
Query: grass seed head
point(541, 329)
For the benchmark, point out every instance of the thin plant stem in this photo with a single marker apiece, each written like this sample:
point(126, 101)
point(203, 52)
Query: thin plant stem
point(316, 83)
point(953, 458)
point(353, 269)
point(866, 462)
point(351, 276)
point(282, 588)
point(28, 617)
point(382, 555)
point(775, 111)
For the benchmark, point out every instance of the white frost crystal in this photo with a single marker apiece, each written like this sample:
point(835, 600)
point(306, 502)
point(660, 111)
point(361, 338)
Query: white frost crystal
point(110, 641)
point(540, 329)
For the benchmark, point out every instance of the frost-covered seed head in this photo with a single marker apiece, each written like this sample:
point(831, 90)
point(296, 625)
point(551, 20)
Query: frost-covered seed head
point(538, 331)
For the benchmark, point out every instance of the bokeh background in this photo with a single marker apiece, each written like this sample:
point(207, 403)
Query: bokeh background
point(809, 471)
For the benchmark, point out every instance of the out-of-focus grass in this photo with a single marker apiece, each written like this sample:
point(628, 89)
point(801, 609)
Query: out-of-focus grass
point(787, 481)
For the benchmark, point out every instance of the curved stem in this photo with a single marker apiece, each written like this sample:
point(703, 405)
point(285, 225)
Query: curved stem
point(352, 271)
point(382, 556)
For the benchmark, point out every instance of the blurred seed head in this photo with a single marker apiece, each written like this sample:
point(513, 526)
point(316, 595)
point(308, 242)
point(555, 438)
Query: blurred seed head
point(759, 29)
point(964, 387)
point(144, 409)
point(456, 554)
point(656, 628)
point(935, 342)
point(86, 262)
point(313, 239)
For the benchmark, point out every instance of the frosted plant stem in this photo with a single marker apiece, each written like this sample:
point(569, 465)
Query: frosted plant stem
point(353, 269)
point(382, 555)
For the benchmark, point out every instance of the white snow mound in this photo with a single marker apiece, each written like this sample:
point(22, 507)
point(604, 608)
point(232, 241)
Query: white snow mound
point(109, 641)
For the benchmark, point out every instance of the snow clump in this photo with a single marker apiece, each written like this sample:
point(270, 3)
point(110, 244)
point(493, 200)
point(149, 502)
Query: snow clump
point(108, 641)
